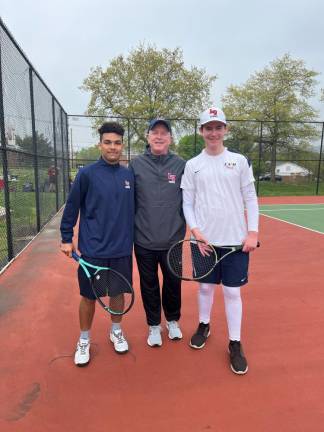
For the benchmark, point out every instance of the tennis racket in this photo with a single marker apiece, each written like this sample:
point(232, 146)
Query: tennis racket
point(112, 290)
point(186, 262)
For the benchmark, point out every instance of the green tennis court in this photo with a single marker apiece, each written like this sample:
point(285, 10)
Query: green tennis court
point(309, 216)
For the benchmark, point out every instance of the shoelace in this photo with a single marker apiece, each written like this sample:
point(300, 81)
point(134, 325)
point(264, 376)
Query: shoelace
point(236, 348)
point(120, 337)
point(83, 347)
point(155, 330)
point(202, 329)
point(173, 325)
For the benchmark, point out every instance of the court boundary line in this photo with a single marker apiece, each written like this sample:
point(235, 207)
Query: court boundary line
point(291, 209)
point(291, 223)
point(291, 204)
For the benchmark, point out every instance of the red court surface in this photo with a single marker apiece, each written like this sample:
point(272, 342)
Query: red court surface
point(172, 388)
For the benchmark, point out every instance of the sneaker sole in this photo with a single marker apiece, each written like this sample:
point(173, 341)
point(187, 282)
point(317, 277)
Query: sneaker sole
point(175, 338)
point(82, 364)
point(201, 346)
point(239, 372)
point(154, 345)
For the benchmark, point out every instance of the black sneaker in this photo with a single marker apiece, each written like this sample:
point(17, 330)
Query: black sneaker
point(237, 359)
point(198, 340)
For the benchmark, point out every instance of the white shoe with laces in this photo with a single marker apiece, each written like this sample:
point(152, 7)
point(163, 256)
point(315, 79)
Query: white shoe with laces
point(174, 330)
point(82, 353)
point(118, 339)
point(154, 339)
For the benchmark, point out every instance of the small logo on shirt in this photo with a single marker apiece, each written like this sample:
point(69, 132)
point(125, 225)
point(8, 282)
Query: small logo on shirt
point(127, 184)
point(171, 178)
point(230, 165)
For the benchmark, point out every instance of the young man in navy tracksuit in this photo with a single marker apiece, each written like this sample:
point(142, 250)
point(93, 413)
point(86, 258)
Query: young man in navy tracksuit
point(103, 195)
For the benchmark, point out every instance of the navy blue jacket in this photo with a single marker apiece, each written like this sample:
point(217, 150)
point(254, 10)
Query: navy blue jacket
point(104, 196)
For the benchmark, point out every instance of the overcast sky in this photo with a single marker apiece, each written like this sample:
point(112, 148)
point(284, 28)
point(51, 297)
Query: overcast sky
point(231, 39)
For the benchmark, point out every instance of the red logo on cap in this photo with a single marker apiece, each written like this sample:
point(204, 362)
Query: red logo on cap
point(213, 111)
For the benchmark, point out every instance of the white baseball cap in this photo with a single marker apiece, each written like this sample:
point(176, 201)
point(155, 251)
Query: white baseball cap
point(212, 114)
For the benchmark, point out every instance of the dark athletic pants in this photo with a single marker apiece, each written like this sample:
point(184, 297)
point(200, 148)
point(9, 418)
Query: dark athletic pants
point(147, 263)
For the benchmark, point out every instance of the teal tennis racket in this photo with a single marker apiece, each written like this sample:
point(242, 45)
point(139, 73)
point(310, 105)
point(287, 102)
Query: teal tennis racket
point(111, 289)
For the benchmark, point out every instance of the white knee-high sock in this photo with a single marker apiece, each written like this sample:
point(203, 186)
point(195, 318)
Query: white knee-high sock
point(233, 310)
point(205, 301)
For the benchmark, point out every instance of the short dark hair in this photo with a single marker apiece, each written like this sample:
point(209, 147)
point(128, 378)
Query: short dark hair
point(111, 127)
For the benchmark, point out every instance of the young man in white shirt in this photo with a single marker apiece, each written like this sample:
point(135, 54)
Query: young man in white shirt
point(218, 185)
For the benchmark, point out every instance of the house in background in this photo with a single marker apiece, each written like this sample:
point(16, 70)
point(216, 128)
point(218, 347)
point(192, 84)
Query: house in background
point(291, 169)
point(288, 172)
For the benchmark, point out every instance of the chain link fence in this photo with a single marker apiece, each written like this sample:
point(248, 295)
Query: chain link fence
point(287, 157)
point(34, 160)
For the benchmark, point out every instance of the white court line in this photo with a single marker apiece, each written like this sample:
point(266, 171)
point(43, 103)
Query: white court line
point(289, 204)
point(291, 223)
point(289, 209)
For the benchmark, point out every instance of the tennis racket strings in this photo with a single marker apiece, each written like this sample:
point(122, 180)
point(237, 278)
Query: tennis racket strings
point(187, 262)
point(113, 291)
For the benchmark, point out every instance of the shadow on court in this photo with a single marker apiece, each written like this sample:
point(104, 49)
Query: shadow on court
point(172, 388)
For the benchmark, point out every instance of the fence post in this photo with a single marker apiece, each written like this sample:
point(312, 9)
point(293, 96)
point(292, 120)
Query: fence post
point(260, 152)
point(34, 137)
point(320, 161)
point(71, 146)
point(55, 155)
point(195, 142)
point(63, 161)
point(128, 140)
point(68, 151)
point(5, 166)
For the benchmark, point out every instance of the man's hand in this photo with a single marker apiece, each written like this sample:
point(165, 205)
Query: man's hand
point(67, 249)
point(203, 247)
point(251, 241)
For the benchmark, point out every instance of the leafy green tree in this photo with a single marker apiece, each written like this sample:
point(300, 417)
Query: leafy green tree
point(87, 154)
point(278, 95)
point(44, 145)
point(189, 146)
point(146, 84)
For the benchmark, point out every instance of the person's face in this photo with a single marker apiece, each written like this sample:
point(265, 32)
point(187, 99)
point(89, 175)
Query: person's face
point(159, 139)
point(111, 147)
point(213, 134)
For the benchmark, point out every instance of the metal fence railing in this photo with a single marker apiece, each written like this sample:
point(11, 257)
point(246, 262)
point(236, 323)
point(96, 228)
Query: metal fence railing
point(287, 156)
point(34, 167)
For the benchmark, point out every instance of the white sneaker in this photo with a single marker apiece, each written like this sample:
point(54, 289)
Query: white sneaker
point(82, 353)
point(119, 341)
point(174, 330)
point(154, 338)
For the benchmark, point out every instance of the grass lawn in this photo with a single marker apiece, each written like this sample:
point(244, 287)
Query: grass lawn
point(267, 188)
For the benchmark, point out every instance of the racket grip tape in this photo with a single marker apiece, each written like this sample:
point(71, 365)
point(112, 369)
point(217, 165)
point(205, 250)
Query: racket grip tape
point(75, 256)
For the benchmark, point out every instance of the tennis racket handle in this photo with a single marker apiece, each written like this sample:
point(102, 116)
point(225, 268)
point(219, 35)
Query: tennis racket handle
point(75, 256)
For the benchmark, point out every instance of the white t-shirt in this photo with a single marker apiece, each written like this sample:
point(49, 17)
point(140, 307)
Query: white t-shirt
point(218, 202)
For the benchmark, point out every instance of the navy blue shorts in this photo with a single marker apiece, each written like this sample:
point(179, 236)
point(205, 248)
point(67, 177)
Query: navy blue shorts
point(232, 271)
point(123, 265)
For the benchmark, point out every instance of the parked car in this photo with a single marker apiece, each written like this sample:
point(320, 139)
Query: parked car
point(267, 177)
